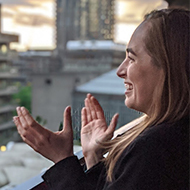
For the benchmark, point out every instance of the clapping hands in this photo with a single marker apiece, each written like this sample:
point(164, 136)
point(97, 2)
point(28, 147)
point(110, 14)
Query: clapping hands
point(94, 130)
point(59, 145)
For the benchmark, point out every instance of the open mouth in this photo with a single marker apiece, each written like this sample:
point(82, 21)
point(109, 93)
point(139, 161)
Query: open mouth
point(128, 86)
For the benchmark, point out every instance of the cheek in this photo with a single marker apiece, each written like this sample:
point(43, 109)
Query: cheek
point(146, 88)
point(144, 82)
point(132, 73)
point(137, 76)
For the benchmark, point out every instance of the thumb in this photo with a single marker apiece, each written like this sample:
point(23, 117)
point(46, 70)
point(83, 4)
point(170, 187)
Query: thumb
point(67, 121)
point(113, 124)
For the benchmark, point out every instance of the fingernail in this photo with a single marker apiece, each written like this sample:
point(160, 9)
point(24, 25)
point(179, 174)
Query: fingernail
point(15, 118)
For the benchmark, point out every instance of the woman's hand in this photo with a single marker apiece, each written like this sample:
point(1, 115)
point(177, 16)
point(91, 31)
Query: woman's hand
point(94, 130)
point(54, 146)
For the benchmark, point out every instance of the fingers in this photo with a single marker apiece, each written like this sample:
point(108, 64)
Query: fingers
point(27, 134)
point(18, 124)
point(98, 109)
point(90, 102)
point(26, 120)
point(28, 128)
point(87, 106)
point(93, 108)
point(84, 117)
point(113, 124)
point(23, 123)
point(67, 120)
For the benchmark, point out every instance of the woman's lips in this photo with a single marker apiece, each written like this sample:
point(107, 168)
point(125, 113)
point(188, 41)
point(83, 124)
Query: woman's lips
point(128, 87)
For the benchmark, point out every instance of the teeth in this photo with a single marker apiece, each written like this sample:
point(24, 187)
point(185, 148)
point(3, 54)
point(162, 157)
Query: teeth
point(128, 87)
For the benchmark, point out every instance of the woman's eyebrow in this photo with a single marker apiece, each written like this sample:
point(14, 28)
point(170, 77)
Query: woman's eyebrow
point(131, 51)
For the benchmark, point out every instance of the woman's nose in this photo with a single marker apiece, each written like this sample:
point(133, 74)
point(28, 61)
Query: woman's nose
point(121, 71)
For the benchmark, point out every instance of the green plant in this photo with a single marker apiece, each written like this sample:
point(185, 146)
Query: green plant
point(23, 97)
point(40, 120)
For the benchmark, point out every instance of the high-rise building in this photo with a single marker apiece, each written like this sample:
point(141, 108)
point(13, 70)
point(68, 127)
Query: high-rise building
point(85, 49)
point(84, 20)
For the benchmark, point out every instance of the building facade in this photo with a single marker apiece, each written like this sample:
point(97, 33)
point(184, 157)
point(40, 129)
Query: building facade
point(84, 20)
point(8, 76)
point(85, 49)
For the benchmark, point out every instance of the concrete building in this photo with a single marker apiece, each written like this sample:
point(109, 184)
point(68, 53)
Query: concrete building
point(86, 25)
point(85, 49)
point(8, 76)
point(52, 91)
point(84, 20)
point(93, 55)
point(38, 61)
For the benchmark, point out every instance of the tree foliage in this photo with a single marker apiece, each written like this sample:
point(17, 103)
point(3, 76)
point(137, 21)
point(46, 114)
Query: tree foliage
point(23, 97)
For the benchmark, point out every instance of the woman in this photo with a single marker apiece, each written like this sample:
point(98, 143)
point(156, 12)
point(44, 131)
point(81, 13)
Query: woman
point(153, 155)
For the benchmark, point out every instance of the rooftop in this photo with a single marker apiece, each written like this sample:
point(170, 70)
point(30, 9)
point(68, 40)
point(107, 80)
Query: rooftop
point(94, 45)
point(36, 53)
point(108, 83)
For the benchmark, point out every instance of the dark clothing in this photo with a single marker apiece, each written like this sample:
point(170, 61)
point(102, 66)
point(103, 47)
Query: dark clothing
point(158, 159)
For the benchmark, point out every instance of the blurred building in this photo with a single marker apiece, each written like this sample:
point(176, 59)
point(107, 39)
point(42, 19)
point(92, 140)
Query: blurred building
point(85, 49)
point(8, 77)
point(93, 55)
point(85, 25)
point(52, 91)
point(37, 61)
point(84, 20)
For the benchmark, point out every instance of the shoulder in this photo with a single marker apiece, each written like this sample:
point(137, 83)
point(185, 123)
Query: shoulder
point(162, 137)
point(159, 142)
point(160, 152)
point(177, 126)
point(167, 134)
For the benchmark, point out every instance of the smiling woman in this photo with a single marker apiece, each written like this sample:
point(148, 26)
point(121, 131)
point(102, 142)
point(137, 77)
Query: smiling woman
point(139, 74)
point(153, 153)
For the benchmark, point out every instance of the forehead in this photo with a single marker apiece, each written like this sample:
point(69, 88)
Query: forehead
point(137, 41)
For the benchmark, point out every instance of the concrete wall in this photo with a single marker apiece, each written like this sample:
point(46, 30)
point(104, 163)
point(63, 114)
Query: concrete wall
point(51, 93)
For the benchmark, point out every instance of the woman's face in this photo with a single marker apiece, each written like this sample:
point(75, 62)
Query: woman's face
point(142, 78)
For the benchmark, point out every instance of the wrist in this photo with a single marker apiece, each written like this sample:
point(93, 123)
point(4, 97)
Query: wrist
point(92, 159)
point(61, 157)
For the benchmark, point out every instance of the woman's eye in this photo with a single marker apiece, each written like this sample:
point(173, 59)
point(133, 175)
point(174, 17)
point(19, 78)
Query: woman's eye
point(130, 58)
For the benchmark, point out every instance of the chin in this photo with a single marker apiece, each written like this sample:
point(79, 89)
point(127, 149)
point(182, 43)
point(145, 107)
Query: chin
point(129, 104)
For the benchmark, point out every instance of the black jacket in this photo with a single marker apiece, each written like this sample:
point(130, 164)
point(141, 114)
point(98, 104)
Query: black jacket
point(158, 159)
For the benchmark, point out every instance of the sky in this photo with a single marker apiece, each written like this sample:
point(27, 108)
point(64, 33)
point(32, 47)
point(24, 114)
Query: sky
point(34, 20)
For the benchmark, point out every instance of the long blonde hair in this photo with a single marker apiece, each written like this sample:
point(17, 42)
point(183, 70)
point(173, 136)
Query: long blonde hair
point(167, 43)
